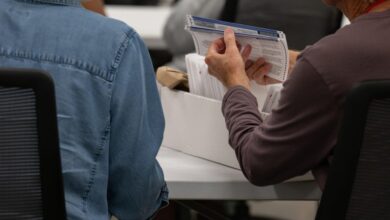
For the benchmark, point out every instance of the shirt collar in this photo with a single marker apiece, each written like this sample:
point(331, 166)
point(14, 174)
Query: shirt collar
point(57, 2)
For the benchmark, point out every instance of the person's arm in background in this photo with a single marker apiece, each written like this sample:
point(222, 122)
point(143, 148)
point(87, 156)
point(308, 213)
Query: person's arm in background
point(293, 56)
point(136, 182)
point(95, 5)
point(178, 40)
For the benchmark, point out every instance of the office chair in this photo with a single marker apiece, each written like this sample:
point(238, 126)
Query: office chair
point(303, 21)
point(30, 169)
point(229, 11)
point(358, 186)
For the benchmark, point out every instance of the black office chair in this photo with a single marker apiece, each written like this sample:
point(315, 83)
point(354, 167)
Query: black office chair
point(303, 21)
point(358, 186)
point(30, 169)
point(229, 11)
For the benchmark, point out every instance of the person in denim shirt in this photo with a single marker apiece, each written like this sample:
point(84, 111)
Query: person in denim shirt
point(109, 113)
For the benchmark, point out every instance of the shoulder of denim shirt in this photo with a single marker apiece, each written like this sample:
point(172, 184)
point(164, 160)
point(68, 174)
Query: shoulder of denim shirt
point(98, 42)
point(118, 37)
point(108, 41)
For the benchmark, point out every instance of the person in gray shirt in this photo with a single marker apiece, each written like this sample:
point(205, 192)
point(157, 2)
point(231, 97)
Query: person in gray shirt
point(301, 132)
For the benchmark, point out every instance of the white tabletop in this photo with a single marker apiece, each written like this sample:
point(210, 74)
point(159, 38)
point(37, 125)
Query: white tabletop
point(189, 177)
point(148, 21)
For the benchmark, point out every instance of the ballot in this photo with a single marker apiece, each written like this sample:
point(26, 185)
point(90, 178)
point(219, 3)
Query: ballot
point(201, 83)
point(266, 43)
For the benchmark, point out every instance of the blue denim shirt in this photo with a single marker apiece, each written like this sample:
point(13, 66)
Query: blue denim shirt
point(109, 113)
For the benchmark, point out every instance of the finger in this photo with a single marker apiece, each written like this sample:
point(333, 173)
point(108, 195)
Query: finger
point(211, 71)
point(260, 74)
point(217, 46)
point(248, 64)
point(256, 66)
point(246, 52)
point(214, 51)
point(220, 46)
point(239, 46)
point(269, 80)
point(230, 40)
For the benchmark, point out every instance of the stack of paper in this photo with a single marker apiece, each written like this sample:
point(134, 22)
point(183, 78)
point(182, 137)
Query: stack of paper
point(203, 84)
point(200, 81)
point(267, 43)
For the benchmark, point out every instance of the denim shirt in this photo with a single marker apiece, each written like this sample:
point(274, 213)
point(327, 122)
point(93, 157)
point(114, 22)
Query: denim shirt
point(109, 113)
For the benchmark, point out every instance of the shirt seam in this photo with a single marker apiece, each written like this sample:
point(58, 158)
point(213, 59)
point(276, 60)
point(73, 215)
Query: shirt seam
point(372, 16)
point(71, 62)
point(119, 55)
point(92, 171)
point(112, 72)
point(321, 79)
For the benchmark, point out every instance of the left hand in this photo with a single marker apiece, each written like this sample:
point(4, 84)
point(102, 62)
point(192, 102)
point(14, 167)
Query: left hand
point(226, 63)
point(258, 71)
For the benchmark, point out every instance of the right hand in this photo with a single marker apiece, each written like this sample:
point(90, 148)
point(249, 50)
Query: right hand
point(225, 61)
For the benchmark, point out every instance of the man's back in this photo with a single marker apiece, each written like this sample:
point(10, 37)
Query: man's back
point(109, 115)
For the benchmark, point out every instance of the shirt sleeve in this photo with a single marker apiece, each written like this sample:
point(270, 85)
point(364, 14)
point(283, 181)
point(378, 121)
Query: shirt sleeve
point(297, 136)
point(136, 187)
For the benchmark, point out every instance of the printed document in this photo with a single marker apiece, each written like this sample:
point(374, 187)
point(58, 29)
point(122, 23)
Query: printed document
point(203, 84)
point(267, 43)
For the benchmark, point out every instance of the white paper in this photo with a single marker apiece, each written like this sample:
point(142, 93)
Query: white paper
point(203, 84)
point(273, 49)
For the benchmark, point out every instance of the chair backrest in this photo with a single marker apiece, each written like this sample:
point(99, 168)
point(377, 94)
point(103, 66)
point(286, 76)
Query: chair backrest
point(358, 185)
point(229, 11)
point(303, 21)
point(30, 169)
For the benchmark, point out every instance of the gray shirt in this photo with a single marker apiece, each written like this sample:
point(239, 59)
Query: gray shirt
point(301, 133)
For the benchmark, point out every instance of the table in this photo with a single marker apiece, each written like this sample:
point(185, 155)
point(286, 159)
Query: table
point(193, 178)
point(148, 21)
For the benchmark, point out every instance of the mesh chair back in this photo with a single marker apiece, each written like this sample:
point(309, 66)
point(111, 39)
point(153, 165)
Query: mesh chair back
point(29, 165)
point(20, 183)
point(358, 185)
point(370, 197)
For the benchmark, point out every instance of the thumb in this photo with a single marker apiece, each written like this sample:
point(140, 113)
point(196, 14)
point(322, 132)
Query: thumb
point(230, 39)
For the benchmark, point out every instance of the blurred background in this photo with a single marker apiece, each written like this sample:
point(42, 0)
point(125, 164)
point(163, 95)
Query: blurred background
point(140, 2)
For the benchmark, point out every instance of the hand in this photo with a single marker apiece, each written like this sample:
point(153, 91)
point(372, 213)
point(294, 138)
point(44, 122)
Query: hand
point(257, 71)
point(293, 55)
point(226, 63)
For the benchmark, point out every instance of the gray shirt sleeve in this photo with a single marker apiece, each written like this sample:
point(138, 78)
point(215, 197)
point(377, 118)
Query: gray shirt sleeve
point(296, 138)
point(178, 40)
